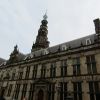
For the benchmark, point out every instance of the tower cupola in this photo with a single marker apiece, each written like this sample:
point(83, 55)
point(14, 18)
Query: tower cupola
point(41, 39)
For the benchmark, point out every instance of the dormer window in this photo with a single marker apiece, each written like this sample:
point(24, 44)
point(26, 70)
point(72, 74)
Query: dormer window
point(4, 63)
point(31, 55)
point(45, 52)
point(64, 47)
point(88, 41)
point(28, 57)
point(25, 57)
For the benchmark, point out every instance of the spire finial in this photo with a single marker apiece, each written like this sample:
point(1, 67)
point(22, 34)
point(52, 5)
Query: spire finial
point(45, 16)
point(15, 47)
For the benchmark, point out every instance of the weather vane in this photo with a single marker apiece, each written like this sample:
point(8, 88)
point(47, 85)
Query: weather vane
point(45, 16)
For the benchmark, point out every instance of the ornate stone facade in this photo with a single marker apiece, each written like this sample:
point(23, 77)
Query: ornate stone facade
point(66, 71)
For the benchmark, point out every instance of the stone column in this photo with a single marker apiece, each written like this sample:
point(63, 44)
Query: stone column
point(69, 67)
point(58, 67)
point(47, 70)
point(57, 91)
point(13, 88)
point(85, 89)
point(83, 66)
point(27, 91)
point(39, 71)
point(97, 58)
point(20, 92)
point(70, 86)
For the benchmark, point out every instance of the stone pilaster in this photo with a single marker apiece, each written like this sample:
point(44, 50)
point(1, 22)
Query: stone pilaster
point(85, 89)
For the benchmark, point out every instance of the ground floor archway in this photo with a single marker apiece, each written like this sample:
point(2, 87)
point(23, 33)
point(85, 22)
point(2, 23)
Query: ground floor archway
point(40, 95)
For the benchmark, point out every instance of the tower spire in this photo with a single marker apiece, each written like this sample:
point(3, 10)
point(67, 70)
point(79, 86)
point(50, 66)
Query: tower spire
point(45, 16)
point(42, 39)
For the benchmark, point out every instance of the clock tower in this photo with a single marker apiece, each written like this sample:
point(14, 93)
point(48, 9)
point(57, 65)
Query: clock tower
point(41, 39)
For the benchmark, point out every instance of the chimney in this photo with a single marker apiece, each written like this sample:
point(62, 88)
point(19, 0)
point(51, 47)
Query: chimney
point(97, 25)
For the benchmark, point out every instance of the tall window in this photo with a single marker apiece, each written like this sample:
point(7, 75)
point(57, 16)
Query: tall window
point(77, 90)
point(51, 91)
point(1, 77)
point(94, 90)
point(91, 64)
point(9, 90)
point(43, 71)
point(20, 75)
point(63, 67)
point(17, 90)
point(27, 72)
point(31, 92)
point(53, 70)
point(35, 71)
point(76, 66)
point(24, 91)
point(63, 91)
point(13, 76)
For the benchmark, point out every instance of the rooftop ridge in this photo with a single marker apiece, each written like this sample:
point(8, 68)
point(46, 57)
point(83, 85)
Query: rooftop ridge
point(73, 40)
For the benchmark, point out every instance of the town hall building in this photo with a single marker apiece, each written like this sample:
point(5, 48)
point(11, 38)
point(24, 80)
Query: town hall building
point(67, 71)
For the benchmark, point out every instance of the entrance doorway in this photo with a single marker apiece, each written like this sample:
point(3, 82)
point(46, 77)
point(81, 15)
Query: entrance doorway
point(40, 95)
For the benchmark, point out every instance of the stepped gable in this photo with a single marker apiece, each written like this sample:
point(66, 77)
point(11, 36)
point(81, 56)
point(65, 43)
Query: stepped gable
point(15, 56)
point(21, 56)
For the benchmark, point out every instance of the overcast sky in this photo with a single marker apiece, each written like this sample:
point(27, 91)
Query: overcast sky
point(67, 20)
